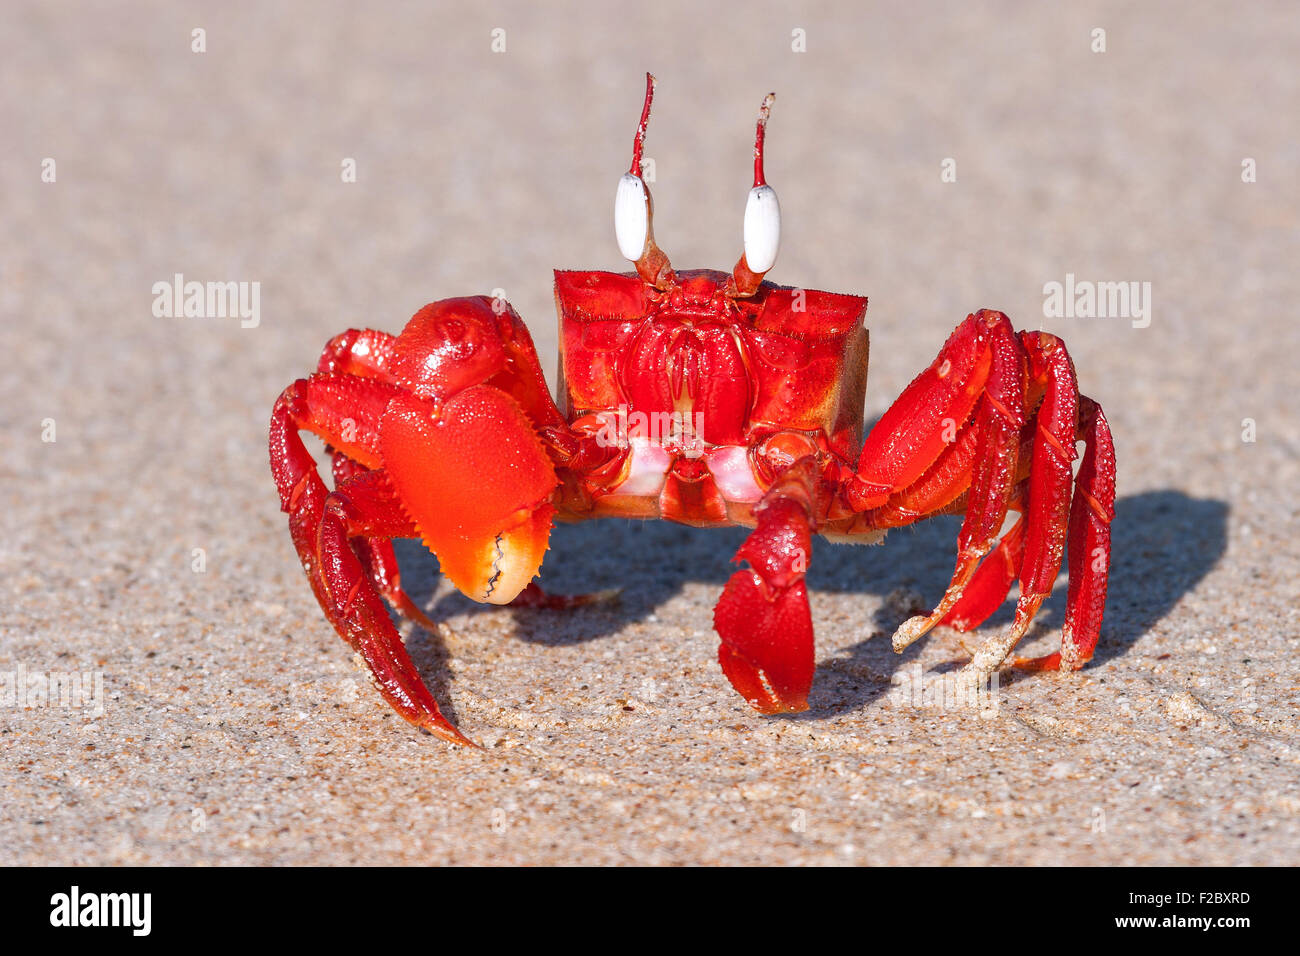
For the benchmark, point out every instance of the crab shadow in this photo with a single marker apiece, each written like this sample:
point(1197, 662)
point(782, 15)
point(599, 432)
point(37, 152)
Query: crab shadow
point(1164, 544)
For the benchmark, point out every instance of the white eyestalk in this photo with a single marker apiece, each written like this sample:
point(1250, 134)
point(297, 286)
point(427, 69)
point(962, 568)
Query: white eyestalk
point(762, 220)
point(631, 216)
point(762, 228)
point(634, 212)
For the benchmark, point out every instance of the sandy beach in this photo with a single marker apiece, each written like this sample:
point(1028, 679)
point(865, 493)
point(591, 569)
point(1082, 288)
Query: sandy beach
point(351, 164)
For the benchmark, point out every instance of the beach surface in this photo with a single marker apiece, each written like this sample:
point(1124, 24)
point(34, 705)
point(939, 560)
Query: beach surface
point(936, 158)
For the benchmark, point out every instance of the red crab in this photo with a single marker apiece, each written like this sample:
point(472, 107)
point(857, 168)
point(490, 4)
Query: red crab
point(704, 398)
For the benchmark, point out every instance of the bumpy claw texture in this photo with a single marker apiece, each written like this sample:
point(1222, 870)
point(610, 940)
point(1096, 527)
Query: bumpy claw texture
point(489, 519)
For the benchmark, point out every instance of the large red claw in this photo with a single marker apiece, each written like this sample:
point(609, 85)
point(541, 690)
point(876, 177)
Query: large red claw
point(475, 478)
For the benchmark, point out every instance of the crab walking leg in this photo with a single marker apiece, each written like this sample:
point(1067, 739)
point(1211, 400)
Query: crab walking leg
point(939, 490)
point(1050, 478)
point(358, 613)
point(385, 516)
point(346, 595)
point(315, 404)
point(989, 586)
point(763, 616)
point(1091, 514)
point(914, 432)
point(362, 512)
point(943, 483)
point(366, 353)
point(999, 418)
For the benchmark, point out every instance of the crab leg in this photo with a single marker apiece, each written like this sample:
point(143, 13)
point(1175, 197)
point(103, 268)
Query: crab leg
point(313, 403)
point(342, 587)
point(990, 584)
point(910, 436)
point(942, 484)
point(1050, 478)
point(366, 353)
point(387, 521)
point(763, 616)
point(999, 417)
point(1091, 513)
point(358, 613)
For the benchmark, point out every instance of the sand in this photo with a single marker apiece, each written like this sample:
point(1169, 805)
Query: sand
point(144, 544)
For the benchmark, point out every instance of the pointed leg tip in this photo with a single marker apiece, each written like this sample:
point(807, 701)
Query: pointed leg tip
point(791, 705)
point(910, 631)
point(600, 597)
point(441, 727)
point(1048, 662)
point(979, 668)
point(409, 610)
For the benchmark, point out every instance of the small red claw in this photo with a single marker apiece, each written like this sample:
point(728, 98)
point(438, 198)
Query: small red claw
point(767, 643)
point(763, 616)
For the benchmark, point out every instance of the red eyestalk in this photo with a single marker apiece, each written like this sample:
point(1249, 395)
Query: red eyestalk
point(760, 134)
point(762, 219)
point(638, 144)
point(634, 212)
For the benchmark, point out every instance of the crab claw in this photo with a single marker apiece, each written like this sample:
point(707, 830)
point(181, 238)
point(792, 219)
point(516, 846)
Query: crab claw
point(475, 478)
point(763, 616)
point(495, 569)
point(767, 643)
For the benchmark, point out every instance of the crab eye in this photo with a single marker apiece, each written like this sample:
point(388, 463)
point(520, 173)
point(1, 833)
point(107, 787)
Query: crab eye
point(631, 216)
point(762, 228)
